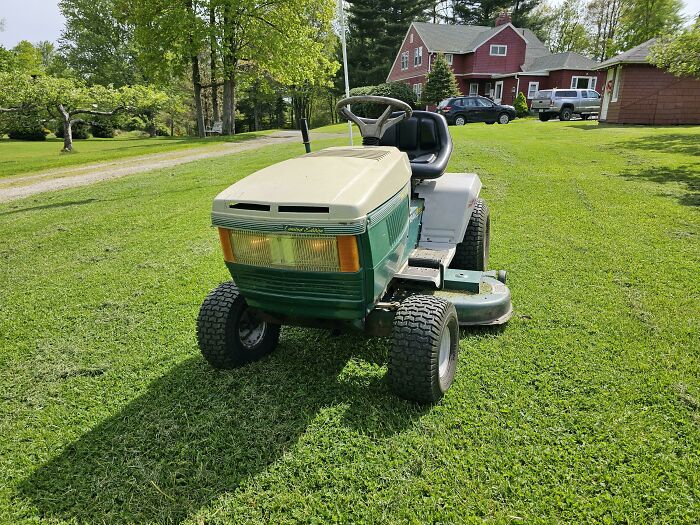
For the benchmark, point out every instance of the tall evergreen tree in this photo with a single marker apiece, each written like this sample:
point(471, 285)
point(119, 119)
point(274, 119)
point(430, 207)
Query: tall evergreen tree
point(377, 28)
point(485, 12)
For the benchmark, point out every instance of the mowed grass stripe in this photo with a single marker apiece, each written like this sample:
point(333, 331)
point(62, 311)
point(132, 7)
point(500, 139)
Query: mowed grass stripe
point(583, 409)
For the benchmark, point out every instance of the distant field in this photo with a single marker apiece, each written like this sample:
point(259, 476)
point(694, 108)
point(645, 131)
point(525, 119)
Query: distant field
point(17, 157)
point(584, 409)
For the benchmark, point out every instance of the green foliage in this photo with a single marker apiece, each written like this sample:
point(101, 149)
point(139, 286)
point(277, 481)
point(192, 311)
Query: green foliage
point(641, 20)
point(520, 104)
point(102, 127)
point(566, 27)
point(679, 53)
point(23, 126)
point(79, 131)
point(397, 90)
point(441, 83)
point(485, 12)
point(376, 29)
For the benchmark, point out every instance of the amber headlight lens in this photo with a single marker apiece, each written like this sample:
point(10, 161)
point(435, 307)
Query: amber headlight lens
point(300, 252)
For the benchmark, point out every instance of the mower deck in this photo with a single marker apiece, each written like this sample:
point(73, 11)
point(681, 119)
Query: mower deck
point(480, 298)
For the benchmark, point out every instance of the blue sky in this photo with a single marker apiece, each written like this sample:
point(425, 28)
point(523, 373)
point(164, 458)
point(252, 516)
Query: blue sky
point(36, 20)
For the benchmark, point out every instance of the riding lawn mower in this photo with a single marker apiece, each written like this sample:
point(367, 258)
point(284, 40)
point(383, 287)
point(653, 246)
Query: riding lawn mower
point(375, 238)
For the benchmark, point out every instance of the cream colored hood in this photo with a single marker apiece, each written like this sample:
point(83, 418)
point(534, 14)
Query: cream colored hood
point(334, 185)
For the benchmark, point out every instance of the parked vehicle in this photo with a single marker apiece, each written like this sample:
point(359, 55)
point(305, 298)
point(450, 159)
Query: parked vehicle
point(460, 110)
point(565, 103)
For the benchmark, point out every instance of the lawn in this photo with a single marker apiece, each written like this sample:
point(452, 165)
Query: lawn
point(585, 408)
point(17, 157)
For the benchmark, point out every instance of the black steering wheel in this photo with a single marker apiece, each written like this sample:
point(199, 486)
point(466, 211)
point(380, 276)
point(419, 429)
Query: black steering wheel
point(372, 129)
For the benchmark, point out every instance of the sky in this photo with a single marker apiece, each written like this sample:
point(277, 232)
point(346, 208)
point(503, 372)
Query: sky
point(37, 20)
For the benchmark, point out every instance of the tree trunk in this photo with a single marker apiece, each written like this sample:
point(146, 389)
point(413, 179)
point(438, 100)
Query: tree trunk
point(197, 81)
point(228, 104)
point(212, 66)
point(67, 131)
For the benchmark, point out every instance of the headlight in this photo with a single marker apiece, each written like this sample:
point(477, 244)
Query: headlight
point(300, 252)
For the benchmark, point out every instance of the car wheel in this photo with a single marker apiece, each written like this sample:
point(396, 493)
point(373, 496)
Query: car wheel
point(473, 252)
point(503, 118)
point(460, 121)
point(544, 117)
point(566, 114)
point(585, 117)
point(229, 334)
point(423, 356)
point(491, 122)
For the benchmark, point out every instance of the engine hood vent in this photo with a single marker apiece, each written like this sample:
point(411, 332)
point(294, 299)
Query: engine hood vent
point(354, 153)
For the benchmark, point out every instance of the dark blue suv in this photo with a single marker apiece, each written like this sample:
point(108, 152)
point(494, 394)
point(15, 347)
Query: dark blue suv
point(460, 110)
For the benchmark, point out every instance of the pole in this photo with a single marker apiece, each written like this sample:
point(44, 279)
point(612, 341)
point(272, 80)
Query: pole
point(341, 8)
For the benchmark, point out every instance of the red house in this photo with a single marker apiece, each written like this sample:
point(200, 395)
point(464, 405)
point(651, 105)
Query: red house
point(496, 62)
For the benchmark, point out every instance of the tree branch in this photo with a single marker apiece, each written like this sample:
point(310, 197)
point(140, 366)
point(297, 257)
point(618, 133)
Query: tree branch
point(98, 113)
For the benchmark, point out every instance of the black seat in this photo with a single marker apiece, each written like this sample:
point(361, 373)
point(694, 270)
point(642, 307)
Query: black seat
point(426, 140)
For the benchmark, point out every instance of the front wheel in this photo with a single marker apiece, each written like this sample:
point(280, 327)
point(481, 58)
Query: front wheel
point(544, 117)
point(229, 334)
point(566, 114)
point(503, 118)
point(460, 121)
point(423, 357)
point(585, 117)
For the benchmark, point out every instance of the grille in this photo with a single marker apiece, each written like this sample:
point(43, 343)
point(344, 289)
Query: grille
point(396, 223)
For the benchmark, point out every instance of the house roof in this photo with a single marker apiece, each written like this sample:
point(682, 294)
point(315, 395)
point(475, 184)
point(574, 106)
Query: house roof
point(460, 39)
point(565, 60)
point(636, 55)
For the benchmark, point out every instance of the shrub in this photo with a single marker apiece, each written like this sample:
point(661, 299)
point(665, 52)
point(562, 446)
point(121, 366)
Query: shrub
point(80, 130)
point(102, 128)
point(520, 104)
point(24, 127)
point(135, 124)
point(397, 90)
point(441, 83)
point(162, 130)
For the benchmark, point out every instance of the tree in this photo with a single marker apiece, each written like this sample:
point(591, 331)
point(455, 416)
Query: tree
point(485, 12)
point(641, 20)
point(566, 28)
point(97, 42)
point(520, 105)
point(679, 53)
point(441, 82)
point(376, 29)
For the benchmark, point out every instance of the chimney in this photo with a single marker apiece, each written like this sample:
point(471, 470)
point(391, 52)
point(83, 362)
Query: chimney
point(503, 18)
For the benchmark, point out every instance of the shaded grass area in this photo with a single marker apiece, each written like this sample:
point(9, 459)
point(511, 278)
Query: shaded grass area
point(583, 409)
point(17, 157)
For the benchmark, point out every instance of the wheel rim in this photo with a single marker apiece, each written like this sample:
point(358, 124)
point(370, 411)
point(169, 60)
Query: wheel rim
point(503, 119)
point(251, 330)
point(459, 121)
point(445, 351)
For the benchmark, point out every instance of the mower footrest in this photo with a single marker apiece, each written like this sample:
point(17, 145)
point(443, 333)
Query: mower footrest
point(421, 274)
point(431, 258)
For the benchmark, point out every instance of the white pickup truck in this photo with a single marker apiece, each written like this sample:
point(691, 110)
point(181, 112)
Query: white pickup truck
point(565, 103)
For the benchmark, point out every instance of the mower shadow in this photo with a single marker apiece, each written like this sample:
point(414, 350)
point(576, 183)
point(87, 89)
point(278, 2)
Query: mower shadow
point(198, 433)
point(687, 176)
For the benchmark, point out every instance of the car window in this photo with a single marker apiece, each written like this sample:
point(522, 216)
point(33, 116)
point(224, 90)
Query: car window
point(445, 102)
point(469, 102)
point(544, 94)
point(593, 94)
point(584, 94)
point(482, 102)
point(564, 94)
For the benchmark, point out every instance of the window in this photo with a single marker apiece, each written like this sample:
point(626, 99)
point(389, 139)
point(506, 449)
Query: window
point(498, 50)
point(584, 94)
point(593, 94)
point(487, 90)
point(473, 88)
point(483, 102)
point(404, 60)
point(560, 93)
point(418, 90)
point(583, 82)
point(449, 58)
point(616, 85)
point(532, 88)
point(418, 56)
point(410, 39)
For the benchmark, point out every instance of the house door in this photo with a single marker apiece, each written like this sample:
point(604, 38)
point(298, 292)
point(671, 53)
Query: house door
point(498, 92)
point(606, 94)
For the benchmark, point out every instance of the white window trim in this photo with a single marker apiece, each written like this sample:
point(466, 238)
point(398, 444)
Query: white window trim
point(531, 92)
point(505, 50)
point(418, 56)
point(575, 79)
point(616, 84)
point(405, 56)
point(449, 57)
point(418, 90)
point(475, 91)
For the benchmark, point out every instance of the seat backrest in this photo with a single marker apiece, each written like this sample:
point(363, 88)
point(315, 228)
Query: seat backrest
point(425, 138)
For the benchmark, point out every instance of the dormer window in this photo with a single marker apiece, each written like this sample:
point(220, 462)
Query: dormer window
point(410, 38)
point(498, 50)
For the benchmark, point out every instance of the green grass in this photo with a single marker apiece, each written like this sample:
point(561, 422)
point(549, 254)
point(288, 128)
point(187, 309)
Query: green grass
point(585, 408)
point(17, 157)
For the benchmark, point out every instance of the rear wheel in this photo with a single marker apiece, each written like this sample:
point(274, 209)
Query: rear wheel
point(503, 118)
point(423, 357)
point(460, 121)
point(544, 117)
point(229, 333)
point(473, 252)
point(566, 114)
point(584, 117)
